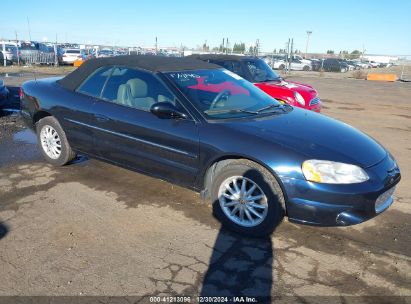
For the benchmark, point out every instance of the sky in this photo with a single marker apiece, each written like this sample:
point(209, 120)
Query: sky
point(377, 26)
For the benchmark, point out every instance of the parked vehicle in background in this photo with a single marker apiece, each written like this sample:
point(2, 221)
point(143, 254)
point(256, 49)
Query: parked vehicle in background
point(105, 53)
point(334, 65)
point(374, 64)
point(8, 62)
point(255, 70)
point(27, 49)
point(296, 65)
point(36, 53)
point(279, 64)
point(272, 59)
point(368, 64)
point(10, 50)
point(4, 93)
point(60, 53)
point(360, 64)
point(204, 127)
point(301, 59)
point(71, 55)
point(315, 64)
point(351, 66)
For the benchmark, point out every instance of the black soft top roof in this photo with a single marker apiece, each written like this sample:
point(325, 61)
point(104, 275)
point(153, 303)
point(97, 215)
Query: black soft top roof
point(146, 62)
point(222, 57)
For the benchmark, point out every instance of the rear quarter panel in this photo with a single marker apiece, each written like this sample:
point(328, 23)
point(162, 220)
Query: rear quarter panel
point(47, 96)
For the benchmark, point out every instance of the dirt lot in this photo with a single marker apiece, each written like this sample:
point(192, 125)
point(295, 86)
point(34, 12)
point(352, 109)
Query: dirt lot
point(94, 229)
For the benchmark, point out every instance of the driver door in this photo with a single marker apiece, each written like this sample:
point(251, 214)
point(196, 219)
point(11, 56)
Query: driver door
point(129, 134)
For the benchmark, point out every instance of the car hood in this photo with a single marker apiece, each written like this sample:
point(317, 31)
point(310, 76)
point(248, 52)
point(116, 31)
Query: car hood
point(315, 136)
point(285, 86)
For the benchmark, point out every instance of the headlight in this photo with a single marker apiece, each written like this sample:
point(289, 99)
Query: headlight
point(329, 172)
point(299, 98)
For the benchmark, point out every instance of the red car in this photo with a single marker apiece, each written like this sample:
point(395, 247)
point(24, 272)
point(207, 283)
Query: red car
point(258, 72)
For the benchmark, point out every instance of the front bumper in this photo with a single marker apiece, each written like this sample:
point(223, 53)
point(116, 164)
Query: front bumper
point(342, 205)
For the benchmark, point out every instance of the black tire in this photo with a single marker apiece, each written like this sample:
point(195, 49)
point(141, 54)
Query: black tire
point(66, 153)
point(282, 67)
point(268, 184)
point(306, 68)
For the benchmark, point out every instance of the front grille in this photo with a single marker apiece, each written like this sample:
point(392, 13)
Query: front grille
point(315, 101)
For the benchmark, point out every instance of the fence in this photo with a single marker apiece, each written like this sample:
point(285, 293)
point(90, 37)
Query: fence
point(38, 58)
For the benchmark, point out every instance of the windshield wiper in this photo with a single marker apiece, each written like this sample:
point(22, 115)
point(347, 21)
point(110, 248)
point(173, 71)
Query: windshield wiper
point(229, 111)
point(271, 106)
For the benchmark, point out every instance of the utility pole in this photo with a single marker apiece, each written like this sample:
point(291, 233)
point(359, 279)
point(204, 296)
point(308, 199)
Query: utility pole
point(226, 48)
point(291, 53)
point(156, 46)
point(257, 47)
point(56, 61)
point(28, 25)
point(4, 54)
point(308, 39)
point(17, 49)
point(288, 55)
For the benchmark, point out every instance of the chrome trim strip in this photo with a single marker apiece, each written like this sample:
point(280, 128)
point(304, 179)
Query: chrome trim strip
point(134, 138)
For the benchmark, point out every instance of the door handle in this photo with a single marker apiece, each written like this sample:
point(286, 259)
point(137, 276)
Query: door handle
point(101, 118)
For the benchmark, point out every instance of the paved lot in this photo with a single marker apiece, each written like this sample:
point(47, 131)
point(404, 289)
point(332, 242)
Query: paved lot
point(94, 229)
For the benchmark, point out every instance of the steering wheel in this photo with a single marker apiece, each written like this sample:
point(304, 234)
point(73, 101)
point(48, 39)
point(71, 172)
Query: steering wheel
point(220, 95)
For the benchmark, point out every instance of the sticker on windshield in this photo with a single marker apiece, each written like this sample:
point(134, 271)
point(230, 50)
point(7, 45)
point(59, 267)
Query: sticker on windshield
point(235, 76)
point(184, 76)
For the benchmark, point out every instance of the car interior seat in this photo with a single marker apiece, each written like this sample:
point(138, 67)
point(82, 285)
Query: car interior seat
point(139, 94)
point(123, 95)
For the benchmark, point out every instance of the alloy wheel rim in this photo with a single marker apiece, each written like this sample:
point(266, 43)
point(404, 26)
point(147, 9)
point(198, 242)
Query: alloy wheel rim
point(50, 142)
point(243, 201)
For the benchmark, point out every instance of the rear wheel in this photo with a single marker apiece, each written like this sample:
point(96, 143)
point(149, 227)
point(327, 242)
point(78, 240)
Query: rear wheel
point(247, 198)
point(53, 142)
point(282, 67)
point(306, 68)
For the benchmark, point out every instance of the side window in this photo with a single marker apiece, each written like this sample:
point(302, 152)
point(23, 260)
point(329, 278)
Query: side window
point(136, 89)
point(237, 69)
point(94, 83)
point(233, 66)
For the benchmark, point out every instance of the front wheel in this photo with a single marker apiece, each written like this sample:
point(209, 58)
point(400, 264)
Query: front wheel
point(247, 198)
point(53, 142)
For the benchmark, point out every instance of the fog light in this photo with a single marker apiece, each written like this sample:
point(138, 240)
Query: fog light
point(384, 200)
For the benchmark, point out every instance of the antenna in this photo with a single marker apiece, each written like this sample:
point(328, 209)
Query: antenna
point(28, 25)
point(34, 73)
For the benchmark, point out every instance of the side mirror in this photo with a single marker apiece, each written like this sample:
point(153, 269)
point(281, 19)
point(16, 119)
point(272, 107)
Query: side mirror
point(167, 110)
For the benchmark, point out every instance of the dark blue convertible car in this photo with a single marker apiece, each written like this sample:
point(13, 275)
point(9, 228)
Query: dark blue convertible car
point(203, 127)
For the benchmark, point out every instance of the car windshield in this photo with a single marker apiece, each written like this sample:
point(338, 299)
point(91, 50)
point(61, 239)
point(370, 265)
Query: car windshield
point(221, 94)
point(28, 46)
point(260, 71)
point(10, 48)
